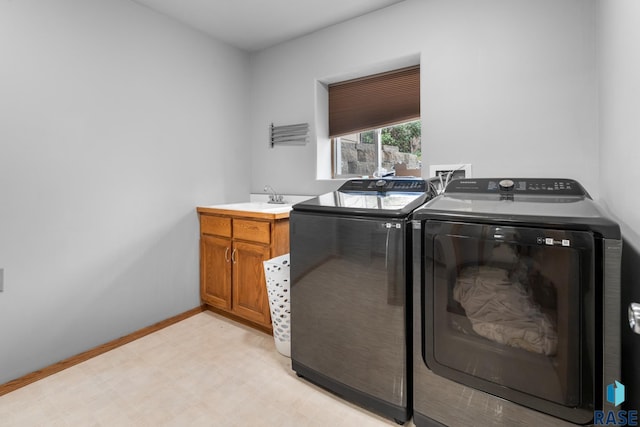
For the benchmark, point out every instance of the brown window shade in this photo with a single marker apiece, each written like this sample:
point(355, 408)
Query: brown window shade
point(374, 101)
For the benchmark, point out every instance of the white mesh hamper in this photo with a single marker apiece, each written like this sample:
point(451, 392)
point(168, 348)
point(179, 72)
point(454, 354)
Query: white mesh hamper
point(277, 273)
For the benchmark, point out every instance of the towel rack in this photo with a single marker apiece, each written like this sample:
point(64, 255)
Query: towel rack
point(297, 134)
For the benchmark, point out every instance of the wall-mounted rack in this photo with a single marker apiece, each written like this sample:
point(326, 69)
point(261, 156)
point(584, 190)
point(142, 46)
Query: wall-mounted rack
point(297, 134)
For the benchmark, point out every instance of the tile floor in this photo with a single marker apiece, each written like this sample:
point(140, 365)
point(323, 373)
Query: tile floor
point(203, 371)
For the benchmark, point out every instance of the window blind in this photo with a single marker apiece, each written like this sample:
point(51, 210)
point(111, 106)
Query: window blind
point(374, 101)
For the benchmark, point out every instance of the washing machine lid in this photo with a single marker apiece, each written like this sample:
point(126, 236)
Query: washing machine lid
point(536, 202)
point(387, 197)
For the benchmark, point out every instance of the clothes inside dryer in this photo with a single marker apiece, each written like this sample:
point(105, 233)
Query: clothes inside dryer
point(503, 312)
point(509, 301)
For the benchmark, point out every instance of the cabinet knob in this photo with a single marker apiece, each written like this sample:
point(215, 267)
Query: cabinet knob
point(233, 256)
point(226, 254)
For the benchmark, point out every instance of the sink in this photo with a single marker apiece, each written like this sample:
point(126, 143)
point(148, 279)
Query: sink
point(289, 199)
point(262, 207)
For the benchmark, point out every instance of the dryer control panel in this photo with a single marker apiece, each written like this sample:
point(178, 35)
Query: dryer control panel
point(542, 186)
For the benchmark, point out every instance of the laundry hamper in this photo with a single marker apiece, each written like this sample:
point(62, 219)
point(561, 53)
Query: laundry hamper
point(277, 273)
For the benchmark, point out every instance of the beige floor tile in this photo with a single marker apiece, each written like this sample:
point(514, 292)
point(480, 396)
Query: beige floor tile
point(204, 371)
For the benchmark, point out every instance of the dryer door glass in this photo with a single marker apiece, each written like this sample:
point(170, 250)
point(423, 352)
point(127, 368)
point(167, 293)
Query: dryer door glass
point(508, 309)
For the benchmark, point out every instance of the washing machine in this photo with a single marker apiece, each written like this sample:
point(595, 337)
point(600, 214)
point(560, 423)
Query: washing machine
point(516, 303)
point(350, 288)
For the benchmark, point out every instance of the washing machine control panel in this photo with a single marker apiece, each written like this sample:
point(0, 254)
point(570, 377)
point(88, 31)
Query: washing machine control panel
point(384, 185)
point(543, 186)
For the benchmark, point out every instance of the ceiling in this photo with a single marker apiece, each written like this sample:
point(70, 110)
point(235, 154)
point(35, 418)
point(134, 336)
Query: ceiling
point(253, 25)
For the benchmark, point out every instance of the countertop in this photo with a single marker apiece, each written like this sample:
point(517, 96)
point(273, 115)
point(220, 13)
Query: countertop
point(256, 207)
point(260, 210)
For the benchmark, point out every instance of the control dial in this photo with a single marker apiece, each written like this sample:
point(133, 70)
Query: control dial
point(506, 185)
point(381, 183)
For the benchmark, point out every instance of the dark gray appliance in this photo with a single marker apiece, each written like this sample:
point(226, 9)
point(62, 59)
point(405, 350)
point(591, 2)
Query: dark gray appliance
point(349, 288)
point(516, 305)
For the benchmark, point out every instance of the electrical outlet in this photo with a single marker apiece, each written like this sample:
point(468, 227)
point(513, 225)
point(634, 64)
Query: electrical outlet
point(1, 279)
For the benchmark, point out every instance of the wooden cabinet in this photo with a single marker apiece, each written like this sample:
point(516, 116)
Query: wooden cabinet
point(215, 271)
point(233, 245)
point(249, 288)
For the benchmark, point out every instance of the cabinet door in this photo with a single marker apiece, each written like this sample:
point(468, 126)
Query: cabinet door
point(249, 288)
point(215, 270)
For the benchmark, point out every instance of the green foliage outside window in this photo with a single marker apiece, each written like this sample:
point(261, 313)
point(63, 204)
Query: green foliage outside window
point(405, 136)
point(368, 137)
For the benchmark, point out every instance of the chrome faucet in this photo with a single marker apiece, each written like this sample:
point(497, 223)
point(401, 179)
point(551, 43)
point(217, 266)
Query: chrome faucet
point(273, 196)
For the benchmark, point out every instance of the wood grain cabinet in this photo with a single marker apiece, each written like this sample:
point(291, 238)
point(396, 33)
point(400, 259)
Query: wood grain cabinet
point(233, 245)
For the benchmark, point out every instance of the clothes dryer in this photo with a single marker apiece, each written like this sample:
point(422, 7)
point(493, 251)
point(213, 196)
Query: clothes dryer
point(516, 297)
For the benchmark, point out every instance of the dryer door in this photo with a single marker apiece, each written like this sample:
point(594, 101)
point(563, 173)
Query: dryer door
point(510, 310)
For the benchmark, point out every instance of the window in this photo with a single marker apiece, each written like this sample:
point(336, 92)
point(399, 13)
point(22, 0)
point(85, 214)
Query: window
point(374, 124)
point(393, 149)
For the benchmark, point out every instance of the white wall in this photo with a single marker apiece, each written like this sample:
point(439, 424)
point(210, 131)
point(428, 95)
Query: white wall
point(619, 103)
point(506, 85)
point(115, 122)
point(619, 58)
